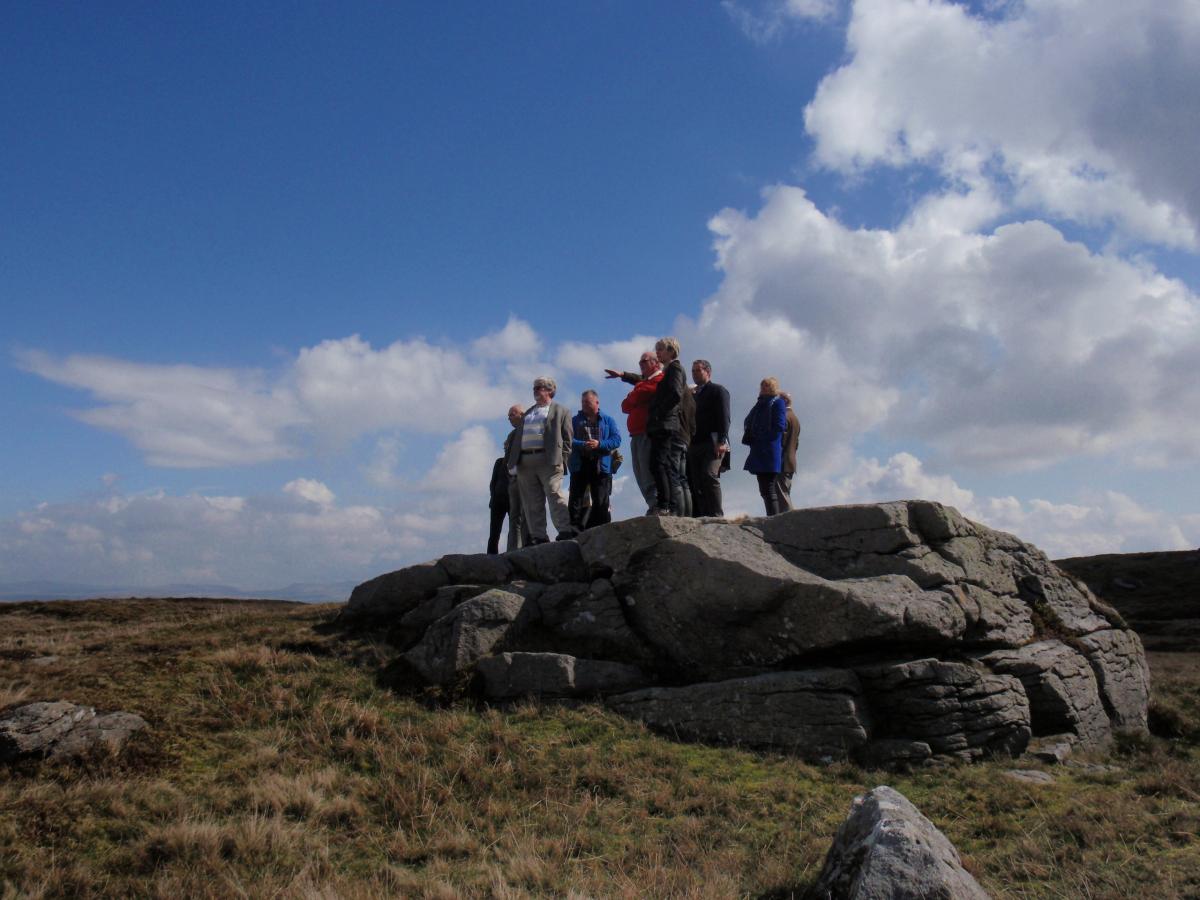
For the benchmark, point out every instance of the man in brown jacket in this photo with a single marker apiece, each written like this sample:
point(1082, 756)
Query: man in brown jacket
point(791, 437)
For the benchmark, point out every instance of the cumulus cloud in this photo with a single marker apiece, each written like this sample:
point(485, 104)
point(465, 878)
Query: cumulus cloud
point(332, 393)
point(464, 466)
point(383, 469)
point(310, 490)
point(264, 541)
point(1084, 110)
point(181, 415)
point(516, 340)
point(348, 388)
point(1009, 350)
point(592, 359)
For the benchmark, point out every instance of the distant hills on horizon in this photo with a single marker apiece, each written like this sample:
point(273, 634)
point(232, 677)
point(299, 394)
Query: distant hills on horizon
point(308, 592)
point(1158, 585)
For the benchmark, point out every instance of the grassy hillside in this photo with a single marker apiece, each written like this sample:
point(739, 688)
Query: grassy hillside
point(277, 765)
point(1158, 593)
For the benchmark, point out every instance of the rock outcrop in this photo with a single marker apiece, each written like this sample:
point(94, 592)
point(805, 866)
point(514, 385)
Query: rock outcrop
point(61, 730)
point(892, 633)
point(887, 849)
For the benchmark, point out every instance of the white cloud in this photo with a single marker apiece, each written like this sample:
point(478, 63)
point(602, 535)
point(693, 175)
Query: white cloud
point(464, 466)
point(309, 490)
point(181, 415)
point(300, 534)
point(350, 389)
point(592, 359)
point(763, 21)
point(1086, 110)
point(516, 340)
point(902, 477)
point(339, 390)
point(383, 469)
point(1007, 350)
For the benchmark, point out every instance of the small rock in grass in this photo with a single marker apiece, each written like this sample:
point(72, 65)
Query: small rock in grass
point(1030, 776)
point(60, 730)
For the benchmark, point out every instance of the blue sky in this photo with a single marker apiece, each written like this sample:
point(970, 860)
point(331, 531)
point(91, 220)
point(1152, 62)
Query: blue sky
point(271, 275)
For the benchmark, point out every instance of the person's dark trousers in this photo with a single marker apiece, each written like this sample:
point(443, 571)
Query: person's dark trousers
point(662, 466)
point(499, 511)
point(589, 480)
point(704, 479)
point(681, 492)
point(783, 487)
point(770, 492)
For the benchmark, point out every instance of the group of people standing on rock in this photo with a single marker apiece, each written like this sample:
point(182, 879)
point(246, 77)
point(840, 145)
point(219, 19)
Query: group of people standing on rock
point(679, 446)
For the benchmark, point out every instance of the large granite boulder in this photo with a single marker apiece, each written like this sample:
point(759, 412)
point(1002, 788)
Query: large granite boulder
point(894, 633)
point(887, 850)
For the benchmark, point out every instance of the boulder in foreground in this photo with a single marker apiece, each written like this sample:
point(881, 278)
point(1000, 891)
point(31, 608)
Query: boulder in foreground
point(887, 850)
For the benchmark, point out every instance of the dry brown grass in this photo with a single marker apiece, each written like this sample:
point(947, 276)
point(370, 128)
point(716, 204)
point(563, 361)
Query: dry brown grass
point(276, 766)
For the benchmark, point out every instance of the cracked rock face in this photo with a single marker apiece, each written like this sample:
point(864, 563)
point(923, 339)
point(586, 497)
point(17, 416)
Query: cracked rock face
point(893, 633)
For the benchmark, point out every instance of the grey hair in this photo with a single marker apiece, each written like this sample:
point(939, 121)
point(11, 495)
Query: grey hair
point(704, 364)
point(670, 344)
point(589, 391)
point(545, 381)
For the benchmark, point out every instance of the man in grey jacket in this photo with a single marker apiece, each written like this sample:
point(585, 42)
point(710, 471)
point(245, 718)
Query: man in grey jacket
point(538, 457)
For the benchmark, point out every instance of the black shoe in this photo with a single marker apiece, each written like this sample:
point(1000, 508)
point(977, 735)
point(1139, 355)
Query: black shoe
point(533, 542)
point(567, 535)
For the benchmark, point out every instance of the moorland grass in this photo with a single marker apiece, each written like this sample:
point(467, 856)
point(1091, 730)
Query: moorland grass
point(278, 765)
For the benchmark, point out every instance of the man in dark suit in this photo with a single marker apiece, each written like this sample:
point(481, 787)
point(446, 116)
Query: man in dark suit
point(708, 453)
point(498, 504)
point(506, 495)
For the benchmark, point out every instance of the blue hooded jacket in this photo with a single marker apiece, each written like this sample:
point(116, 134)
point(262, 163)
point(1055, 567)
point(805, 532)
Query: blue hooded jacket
point(765, 426)
point(610, 440)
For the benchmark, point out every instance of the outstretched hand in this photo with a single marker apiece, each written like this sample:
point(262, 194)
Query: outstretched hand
point(611, 373)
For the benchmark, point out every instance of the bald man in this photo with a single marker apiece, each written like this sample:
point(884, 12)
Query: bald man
point(518, 535)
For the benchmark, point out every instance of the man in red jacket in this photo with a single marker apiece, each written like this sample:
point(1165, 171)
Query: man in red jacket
point(637, 406)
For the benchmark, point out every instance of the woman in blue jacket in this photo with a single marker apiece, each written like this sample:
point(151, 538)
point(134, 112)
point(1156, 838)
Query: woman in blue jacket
point(594, 436)
point(765, 426)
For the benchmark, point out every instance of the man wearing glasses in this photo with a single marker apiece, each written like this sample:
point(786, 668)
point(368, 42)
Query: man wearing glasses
point(637, 406)
point(541, 447)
